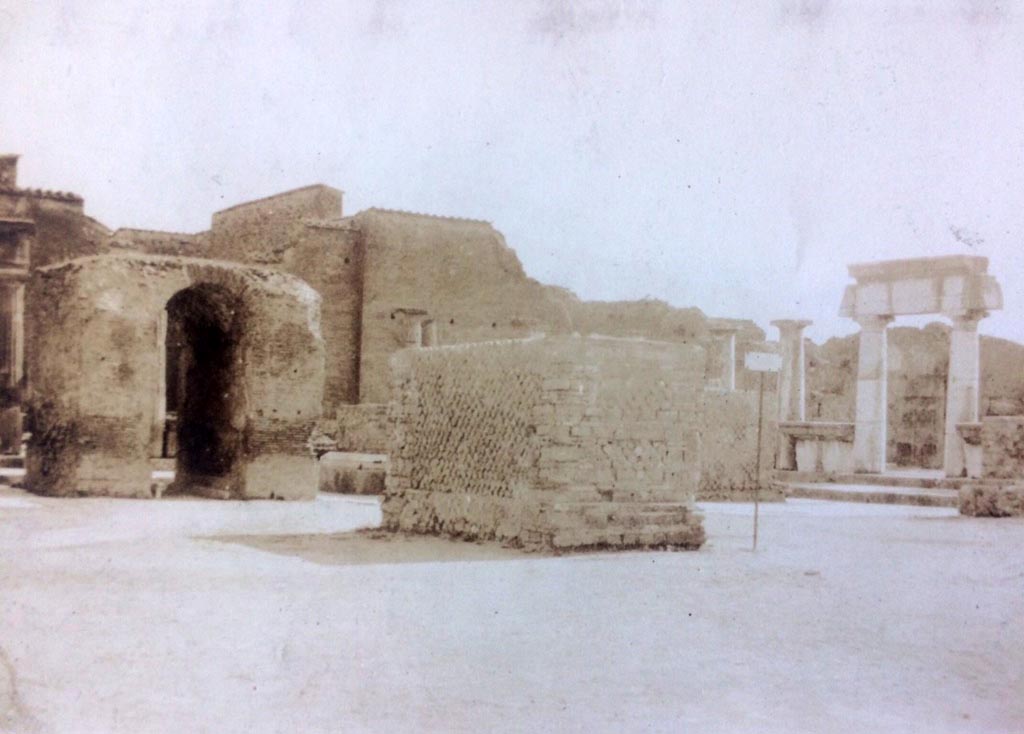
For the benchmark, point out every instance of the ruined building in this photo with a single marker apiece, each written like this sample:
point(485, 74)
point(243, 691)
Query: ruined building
point(245, 352)
point(386, 279)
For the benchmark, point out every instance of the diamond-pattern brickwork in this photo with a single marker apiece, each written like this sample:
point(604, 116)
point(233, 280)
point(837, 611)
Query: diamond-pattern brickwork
point(548, 443)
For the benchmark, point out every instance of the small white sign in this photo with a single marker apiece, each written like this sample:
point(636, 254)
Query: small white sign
point(762, 362)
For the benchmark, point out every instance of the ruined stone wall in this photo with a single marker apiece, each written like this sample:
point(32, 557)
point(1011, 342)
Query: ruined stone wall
point(1000, 491)
point(329, 256)
point(647, 318)
point(260, 232)
point(363, 428)
point(548, 443)
point(97, 370)
point(62, 229)
point(460, 271)
point(1002, 446)
point(177, 244)
point(729, 446)
point(301, 232)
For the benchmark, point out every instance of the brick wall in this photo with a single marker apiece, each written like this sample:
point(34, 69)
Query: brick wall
point(329, 256)
point(260, 232)
point(361, 428)
point(548, 443)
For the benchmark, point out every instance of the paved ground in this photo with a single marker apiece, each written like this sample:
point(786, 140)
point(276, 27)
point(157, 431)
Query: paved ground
point(169, 616)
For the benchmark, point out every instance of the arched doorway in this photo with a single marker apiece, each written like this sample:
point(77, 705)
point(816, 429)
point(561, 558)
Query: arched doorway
point(204, 399)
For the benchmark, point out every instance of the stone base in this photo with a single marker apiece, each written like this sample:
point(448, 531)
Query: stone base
point(348, 473)
point(92, 475)
point(992, 500)
point(280, 477)
point(10, 430)
point(542, 526)
point(769, 493)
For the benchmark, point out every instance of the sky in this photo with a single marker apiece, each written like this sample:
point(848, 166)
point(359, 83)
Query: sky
point(734, 156)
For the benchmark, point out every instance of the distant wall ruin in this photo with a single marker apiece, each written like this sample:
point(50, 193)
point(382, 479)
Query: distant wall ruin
point(729, 453)
point(548, 443)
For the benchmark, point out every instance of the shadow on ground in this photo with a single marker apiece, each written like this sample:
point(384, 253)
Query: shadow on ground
point(373, 546)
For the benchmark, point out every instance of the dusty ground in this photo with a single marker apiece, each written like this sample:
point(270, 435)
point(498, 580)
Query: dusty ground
point(168, 616)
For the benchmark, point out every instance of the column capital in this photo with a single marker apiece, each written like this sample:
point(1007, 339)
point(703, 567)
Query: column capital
point(873, 323)
point(968, 321)
point(790, 326)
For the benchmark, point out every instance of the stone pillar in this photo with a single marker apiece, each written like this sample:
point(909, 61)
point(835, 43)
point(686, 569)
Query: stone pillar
point(8, 171)
point(791, 378)
point(791, 386)
point(12, 355)
point(869, 435)
point(414, 334)
point(429, 329)
point(962, 388)
point(727, 340)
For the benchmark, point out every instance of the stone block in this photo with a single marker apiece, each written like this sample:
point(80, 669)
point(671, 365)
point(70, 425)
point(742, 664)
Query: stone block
point(527, 442)
point(352, 473)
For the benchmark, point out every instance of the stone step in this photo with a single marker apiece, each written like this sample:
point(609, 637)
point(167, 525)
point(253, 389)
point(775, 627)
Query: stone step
point(621, 515)
point(872, 493)
point(930, 480)
point(12, 461)
point(681, 536)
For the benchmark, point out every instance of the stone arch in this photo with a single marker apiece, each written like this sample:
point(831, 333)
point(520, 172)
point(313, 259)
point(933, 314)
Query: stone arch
point(206, 326)
point(99, 377)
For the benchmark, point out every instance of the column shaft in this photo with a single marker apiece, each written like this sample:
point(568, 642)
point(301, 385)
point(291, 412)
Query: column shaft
point(869, 437)
point(962, 389)
point(791, 405)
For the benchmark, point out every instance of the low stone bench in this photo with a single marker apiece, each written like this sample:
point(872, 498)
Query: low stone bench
point(350, 473)
point(818, 447)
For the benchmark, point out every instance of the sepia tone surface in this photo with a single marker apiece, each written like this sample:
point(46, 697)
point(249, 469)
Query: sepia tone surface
point(267, 464)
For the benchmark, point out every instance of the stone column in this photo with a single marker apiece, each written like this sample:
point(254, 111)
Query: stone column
point(869, 434)
point(791, 378)
point(12, 355)
point(414, 333)
point(791, 385)
point(962, 388)
point(429, 330)
point(727, 340)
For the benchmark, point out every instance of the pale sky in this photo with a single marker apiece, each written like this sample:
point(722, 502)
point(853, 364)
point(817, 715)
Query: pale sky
point(734, 156)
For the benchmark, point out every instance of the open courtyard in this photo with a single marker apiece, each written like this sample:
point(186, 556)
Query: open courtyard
point(137, 616)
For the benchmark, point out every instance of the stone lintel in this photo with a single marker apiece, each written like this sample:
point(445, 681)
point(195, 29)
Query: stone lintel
point(918, 267)
point(953, 286)
point(9, 224)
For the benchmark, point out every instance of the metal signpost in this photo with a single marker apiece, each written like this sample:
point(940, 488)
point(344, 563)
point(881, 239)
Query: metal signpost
point(761, 362)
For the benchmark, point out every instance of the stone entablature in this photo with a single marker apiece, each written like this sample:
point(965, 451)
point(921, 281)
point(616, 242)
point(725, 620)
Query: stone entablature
point(958, 287)
point(954, 285)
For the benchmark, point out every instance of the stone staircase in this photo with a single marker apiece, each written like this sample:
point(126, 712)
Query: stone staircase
point(580, 525)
